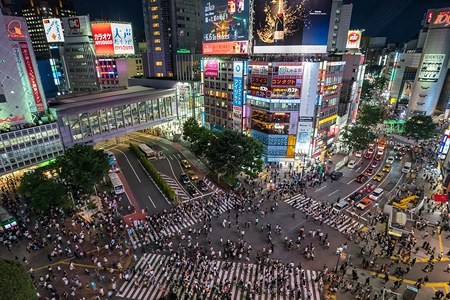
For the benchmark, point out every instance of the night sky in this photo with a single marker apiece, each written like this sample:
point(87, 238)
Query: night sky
point(399, 20)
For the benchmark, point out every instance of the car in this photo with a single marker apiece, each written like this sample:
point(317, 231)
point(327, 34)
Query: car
point(387, 168)
point(356, 196)
point(369, 172)
point(370, 151)
point(336, 175)
point(369, 188)
point(372, 144)
point(380, 151)
point(368, 155)
point(376, 194)
point(374, 164)
point(361, 178)
point(379, 176)
point(185, 163)
point(202, 185)
point(390, 160)
point(358, 153)
point(407, 167)
point(340, 205)
point(184, 178)
point(351, 164)
point(378, 157)
point(398, 155)
point(192, 190)
point(404, 150)
point(363, 204)
point(397, 147)
point(192, 175)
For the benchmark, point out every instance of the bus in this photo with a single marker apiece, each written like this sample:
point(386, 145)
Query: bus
point(117, 183)
point(382, 143)
point(149, 153)
point(112, 161)
point(7, 220)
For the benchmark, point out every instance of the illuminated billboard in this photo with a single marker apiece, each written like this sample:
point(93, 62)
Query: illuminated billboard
point(53, 30)
point(291, 26)
point(77, 26)
point(212, 68)
point(431, 67)
point(353, 39)
point(112, 38)
point(225, 26)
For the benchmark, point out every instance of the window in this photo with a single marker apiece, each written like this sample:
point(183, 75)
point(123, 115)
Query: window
point(157, 41)
point(157, 48)
point(156, 33)
point(159, 74)
point(154, 8)
point(155, 25)
point(159, 63)
point(155, 17)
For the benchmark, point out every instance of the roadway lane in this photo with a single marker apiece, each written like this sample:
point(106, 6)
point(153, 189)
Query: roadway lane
point(143, 188)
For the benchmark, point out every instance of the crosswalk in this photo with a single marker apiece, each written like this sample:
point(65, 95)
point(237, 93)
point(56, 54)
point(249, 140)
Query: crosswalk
point(345, 224)
point(141, 236)
point(306, 284)
point(212, 186)
point(175, 187)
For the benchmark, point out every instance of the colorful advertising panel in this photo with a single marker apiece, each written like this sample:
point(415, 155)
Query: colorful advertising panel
point(31, 76)
point(53, 30)
point(16, 29)
point(431, 67)
point(77, 26)
point(238, 68)
point(354, 39)
point(122, 38)
point(225, 26)
point(291, 26)
point(440, 18)
point(211, 68)
point(103, 39)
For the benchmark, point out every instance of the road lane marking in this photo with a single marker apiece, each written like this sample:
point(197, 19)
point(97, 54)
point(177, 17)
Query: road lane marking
point(357, 170)
point(151, 201)
point(134, 171)
point(396, 184)
point(441, 249)
point(179, 156)
point(157, 187)
point(333, 192)
point(320, 188)
point(171, 157)
point(350, 181)
point(167, 149)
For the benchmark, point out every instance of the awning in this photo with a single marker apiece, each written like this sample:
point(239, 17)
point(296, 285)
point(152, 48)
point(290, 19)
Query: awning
point(440, 197)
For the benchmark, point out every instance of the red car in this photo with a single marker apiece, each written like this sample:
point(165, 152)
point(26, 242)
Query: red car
point(369, 172)
point(368, 155)
point(361, 178)
point(374, 164)
point(369, 188)
point(378, 157)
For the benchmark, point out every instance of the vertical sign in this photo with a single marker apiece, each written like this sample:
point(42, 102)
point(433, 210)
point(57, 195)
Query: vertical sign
point(238, 68)
point(31, 76)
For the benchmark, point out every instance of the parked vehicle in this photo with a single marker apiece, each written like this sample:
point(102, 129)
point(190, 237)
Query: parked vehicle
point(336, 175)
point(351, 164)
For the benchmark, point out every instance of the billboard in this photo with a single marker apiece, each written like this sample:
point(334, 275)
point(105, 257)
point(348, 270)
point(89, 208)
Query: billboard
point(112, 38)
point(211, 68)
point(238, 69)
point(431, 67)
point(225, 26)
point(353, 39)
point(440, 18)
point(76, 26)
point(291, 26)
point(53, 30)
point(27, 60)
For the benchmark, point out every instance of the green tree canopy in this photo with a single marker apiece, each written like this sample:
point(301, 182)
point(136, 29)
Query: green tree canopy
point(191, 130)
point(232, 152)
point(83, 166)
point(357, 137)
point(15, 283)
point(420, 127)
point(371, 115)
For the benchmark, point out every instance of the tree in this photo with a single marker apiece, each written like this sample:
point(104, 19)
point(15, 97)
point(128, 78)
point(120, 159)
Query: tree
point(44, 192)
point(371, 115)
point(366, 89)
point(357, 137)
point(232, 152)
point(420, 127)
point(203, 141)
point(83, 166)
point(191, 130)
point(15, 283)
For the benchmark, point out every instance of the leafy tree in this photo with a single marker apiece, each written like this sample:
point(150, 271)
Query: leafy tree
point(15, 283)
point(371, 115)
point(232, 152)
point(191, 130)
point(44, 192)
point(420, 127)
point(357, 137)
point(83, 166)
point(366, 89)
point(203, 142)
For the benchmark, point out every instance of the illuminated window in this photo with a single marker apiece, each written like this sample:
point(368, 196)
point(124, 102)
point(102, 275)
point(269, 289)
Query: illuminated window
point(157, 48)
point(155, 25)
point(154, 8)
point(155, 17)
point(156, 33)
point(159, 63)
point(160, 75)
point(157, 41)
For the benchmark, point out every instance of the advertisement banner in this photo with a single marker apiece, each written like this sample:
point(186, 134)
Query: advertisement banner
point(53, 30)
point(440, 18)
point(283, 82)
point(16, 28)
point(238, 67)
point(31, 76)
point(354, 39)
point(122, 38)
point(77, 26)
point(407, 90)
point(211, 68)
point(291, 26)
point(103, 39)
point(431, 67)
point(225, 21)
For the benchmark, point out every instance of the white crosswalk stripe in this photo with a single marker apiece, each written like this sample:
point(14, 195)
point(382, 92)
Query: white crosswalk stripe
point(212, 186)
point(305, 284)
point(143, 236)
point(341, 222)
point(175, 187)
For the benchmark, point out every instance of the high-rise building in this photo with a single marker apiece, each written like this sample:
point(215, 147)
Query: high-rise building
point(171, 27)
point(35, 11)
point(352, 81)
point(341, 15)
point(7, 7)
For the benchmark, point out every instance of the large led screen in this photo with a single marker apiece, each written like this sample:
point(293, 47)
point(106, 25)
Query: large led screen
point(225, 26)
point(291, 26)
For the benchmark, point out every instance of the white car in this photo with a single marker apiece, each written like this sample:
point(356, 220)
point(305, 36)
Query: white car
point(358, 153)
point(407, 167)
point(376, 194)
point(390, 160)
point(351, 164)
point(370, 151)
point(380, 152)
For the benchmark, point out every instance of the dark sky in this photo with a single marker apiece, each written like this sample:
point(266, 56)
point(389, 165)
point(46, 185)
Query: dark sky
point(399, 20)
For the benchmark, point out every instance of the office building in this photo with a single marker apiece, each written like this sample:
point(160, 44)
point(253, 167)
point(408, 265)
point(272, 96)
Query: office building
point(27, 134)
point(341, 15)
point(115, 72)
point(171, 27)
point(352, 80)
point(35, 11)
point(7, 7)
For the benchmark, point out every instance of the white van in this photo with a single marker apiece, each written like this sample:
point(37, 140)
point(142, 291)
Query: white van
point(407, 167)
point(351, 164)
point(376, 194)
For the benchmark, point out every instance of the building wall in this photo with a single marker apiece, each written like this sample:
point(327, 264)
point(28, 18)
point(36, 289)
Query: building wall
point(404, 69)
point(341, 15)
point(189, 25)
point(352, 80)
